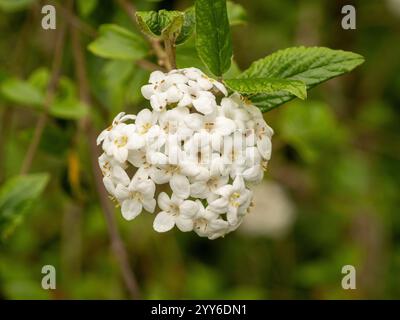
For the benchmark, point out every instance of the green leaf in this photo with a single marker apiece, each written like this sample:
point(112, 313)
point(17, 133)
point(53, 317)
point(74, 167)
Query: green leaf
point(22, 92)
point(236, 13)
point(213, 36)
point(171, 23)
point(16, 197)
point(310, 65)
point(66, 104)
point(15, 5)
point(189, 22)
point(186, 57)
point(148, 23)
point(70, 109)
point(115, 42)
point(86, 7)
point(267, 86)
point(40, 78)
point(174, 25)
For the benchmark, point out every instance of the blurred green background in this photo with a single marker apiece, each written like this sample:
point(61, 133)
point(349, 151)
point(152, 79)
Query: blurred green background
point(329, 198)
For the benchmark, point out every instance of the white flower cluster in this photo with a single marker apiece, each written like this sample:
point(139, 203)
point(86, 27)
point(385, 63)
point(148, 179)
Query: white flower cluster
point(200, 147)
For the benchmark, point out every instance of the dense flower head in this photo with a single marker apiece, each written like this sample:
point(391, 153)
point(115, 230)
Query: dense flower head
point(193, 155)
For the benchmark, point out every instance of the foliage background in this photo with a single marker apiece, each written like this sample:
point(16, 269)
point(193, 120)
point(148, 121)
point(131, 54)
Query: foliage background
point(335, 162)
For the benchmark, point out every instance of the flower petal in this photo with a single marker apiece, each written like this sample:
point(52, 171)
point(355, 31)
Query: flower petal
point(184, 224)
point(188, 208)
point(164, 201)
point(224, 126)
point(146, 187)
point(199, 189)
point(160, 176)
point(231, 215)
point(149, 204)
point(148, 90)
point(264, 146)
point(120, 175)
point(180, 185)
point(130, 209)
point(121, 154)
point(156, 76)
point(163, 222)
point(121, 192)
point(219, 205)
point(109, 185)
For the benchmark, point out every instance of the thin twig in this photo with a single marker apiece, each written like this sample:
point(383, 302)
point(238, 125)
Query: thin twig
point(150, 66)
point(118, 246)
point(51, 87)
point(77, 22)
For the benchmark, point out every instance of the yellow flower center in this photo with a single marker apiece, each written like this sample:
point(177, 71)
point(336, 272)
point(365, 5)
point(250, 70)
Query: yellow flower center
point(121, 141)
point(145, 128)
point(233, 199)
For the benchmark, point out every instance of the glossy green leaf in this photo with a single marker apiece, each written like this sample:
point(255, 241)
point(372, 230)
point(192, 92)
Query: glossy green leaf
point(310, 65)
point(189, 22)
point(187, 56)
point(175, 25)
point(213, 36)
point(115, 42)
point(267, 86)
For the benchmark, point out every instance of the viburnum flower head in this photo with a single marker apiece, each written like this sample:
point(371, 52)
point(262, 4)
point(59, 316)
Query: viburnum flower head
point(191, 158)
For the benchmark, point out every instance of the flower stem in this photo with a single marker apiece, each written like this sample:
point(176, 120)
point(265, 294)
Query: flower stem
point(170, 53)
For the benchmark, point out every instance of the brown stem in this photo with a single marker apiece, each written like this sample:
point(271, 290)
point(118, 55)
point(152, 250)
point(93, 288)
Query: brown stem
point(170, 53)
point(117, 245)
point(51, 87)
point(150, 66)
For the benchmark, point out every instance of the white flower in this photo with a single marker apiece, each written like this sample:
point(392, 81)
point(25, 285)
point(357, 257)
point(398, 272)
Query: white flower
point(255, 165)
point(173, 122)
point(145, 120)
point(120, 140)
point(135, 196)
point(120, 118)
point(208, 223)
point(232, 201)
point(175, 211)
point(217, 126)
point(193, 143)
point(203, 81)
point(203, 187)
point(177, 176)
point(263, 135)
